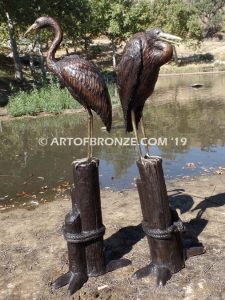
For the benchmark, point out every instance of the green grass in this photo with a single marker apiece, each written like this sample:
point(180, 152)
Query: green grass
point(113, 93)
point(53, 99)
point(50, 98)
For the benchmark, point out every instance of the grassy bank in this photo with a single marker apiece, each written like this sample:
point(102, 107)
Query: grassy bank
point(50, 98)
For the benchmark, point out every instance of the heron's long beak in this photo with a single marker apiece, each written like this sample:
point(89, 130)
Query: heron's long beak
point(31, 28)
point(172, 39)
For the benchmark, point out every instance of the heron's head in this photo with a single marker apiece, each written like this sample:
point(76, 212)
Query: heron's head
point(157, 34)
point(41, 22)
point(161, 44)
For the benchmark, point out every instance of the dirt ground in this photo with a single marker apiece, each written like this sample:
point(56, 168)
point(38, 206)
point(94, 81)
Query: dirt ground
point(33, 251)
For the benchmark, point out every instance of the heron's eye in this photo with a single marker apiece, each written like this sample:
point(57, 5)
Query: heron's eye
point(158, 32)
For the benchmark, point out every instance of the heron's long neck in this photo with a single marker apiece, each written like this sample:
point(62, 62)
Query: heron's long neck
point(167, 54)
point(55, 45)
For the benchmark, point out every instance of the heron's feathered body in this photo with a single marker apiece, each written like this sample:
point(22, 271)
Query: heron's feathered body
point(81, 77)
point(138, 72)
point(86, 85)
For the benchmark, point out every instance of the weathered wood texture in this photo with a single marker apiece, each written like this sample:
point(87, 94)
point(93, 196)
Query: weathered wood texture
point(166, 252)
point(88, 203)
point(83, 228)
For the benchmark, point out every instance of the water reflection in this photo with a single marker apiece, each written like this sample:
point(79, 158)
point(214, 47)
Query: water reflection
point(175, 111)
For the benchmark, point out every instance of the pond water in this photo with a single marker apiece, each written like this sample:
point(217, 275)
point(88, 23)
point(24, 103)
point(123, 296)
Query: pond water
point(30, 172)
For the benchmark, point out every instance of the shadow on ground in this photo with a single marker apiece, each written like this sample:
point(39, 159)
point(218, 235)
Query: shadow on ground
point(122, 242)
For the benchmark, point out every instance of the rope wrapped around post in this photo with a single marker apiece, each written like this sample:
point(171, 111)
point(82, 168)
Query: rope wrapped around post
point(162, 234)
point(83, 229)
point(162, 226)
point(83, 237)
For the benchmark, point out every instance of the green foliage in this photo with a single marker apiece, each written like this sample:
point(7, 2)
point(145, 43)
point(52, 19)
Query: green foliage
point(50, 98)
point(137, 17)
point(3, 33)
point(178, 18)
point(83, 20)
point(211, 14)
point(119, 19)
point(75, 17)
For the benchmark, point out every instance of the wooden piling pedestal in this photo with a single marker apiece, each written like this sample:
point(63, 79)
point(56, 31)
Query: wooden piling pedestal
point(87, 200)
point(160, 224)
point(84, 230)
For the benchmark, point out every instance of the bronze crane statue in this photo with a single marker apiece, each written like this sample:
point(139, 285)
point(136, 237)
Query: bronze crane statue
point(137, 73)
point(81, 78)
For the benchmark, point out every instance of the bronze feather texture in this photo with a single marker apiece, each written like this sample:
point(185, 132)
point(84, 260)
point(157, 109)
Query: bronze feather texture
point(79, 76)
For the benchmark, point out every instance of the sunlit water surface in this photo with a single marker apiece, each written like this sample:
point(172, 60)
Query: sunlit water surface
point(30, 173)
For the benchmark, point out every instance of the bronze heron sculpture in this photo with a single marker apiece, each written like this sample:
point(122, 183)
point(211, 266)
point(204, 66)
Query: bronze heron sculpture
point(81, 78)
point(137, 73)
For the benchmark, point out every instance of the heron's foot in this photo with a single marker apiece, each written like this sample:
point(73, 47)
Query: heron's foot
point(144, 272)
point(62, 280)
point(162, 273)
point(162, 276)
point(75, 281)
point(117, 264)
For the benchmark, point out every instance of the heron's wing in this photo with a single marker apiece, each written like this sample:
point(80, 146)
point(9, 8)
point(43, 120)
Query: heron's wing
point(88, 87)
point(128, 76)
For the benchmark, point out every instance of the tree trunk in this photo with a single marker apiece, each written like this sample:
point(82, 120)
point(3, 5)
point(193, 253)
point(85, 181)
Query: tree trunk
point(30, 50)
point(13, 44)
point(114, 54)
point(175, 56)
point(31, 66)
point(86, 46)
point(42, 59)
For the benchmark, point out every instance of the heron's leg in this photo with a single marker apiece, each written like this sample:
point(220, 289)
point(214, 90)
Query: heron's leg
point(135, 133)
point(92, 126)
point(90, 133)
point(144, 135)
